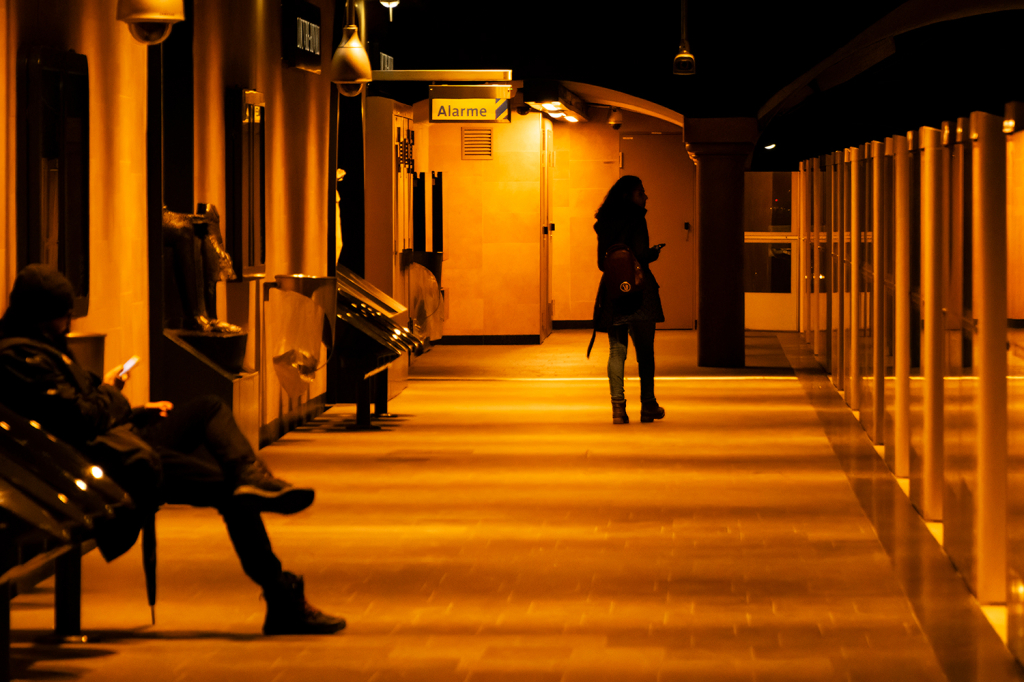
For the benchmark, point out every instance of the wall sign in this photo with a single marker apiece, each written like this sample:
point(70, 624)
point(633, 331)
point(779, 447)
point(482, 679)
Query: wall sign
point(477, 109)
point(300, 35)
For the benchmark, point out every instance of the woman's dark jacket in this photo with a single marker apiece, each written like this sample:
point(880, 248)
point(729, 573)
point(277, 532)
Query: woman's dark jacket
point(627, 225)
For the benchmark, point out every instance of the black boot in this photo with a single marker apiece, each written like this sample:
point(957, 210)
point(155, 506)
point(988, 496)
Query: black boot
point(651, 410)
point(260, 490)
point(288, 612)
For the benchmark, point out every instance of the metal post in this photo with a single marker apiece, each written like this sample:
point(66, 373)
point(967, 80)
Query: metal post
point(806, 279)
point(817, 222)
point(839, 269)
point(989, 305)
point(901, 224)
point(856, 213)
point(829, 271)
point(878, 288)
point(931, 313)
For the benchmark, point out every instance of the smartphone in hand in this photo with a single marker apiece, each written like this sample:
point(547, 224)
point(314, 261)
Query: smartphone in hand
point(129, 364)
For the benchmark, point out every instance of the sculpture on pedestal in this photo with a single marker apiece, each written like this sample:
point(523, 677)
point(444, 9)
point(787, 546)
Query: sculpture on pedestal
point(200, 261)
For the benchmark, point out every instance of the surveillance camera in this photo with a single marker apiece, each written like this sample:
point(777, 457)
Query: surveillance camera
point(350, 89)
point(150, 21)
point(684, 64)
point(523, 109)
point(150, 32)
point(615, 118)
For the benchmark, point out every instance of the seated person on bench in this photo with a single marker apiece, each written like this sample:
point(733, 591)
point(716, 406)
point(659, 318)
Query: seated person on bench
point(193, 454)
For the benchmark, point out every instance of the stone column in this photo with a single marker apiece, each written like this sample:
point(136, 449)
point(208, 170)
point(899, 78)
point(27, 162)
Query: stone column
point(720, 148)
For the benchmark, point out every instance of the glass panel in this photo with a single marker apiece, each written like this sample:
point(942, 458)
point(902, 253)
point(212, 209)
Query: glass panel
point(767, 267)
point(781, 206)
point(767, 199)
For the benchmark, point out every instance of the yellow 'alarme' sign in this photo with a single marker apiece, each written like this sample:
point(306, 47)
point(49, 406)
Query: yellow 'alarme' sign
point(469, 110)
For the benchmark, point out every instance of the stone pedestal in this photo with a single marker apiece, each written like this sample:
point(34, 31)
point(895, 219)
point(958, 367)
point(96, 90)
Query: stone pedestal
point(720, 147)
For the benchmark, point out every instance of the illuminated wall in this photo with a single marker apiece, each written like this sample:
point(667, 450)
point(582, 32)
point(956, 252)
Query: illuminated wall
point(118, 303)
point(491, 228)
point(237, 43)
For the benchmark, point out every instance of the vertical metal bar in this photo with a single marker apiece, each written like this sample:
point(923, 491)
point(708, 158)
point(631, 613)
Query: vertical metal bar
point(829, 186)
point(878, 288)
point(842, 221)
point(814, 291)
point(5, 631)
point(990, 299)
point(853, 389)
point(901, 202)
point(797, 204)
point(805, 252)
point(931, 313)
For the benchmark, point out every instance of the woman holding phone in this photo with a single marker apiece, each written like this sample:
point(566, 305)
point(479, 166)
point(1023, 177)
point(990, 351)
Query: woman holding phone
point(621, 220)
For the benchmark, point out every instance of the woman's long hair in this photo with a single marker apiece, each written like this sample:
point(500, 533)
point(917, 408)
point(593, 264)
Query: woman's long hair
point(619, 197)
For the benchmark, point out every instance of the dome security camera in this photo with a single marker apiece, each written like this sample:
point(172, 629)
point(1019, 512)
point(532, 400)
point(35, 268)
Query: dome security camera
point(150, 21)
point(351, 89)
point(684, 63)
point(150, 32)
point(615, 118)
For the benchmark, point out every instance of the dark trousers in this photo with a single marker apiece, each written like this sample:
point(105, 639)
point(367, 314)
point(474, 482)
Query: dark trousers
point(202, 452)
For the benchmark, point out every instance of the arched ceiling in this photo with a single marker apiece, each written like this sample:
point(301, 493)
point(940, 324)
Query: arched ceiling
point(747, 55)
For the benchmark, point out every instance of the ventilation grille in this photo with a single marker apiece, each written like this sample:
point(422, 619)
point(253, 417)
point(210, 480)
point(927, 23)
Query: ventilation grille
point(477, 143)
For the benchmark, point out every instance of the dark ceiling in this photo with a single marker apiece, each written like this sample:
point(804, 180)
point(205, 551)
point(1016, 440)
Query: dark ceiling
point(745, 53)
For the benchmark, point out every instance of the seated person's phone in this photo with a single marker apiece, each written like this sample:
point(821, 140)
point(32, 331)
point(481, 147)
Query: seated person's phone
point(129, 363)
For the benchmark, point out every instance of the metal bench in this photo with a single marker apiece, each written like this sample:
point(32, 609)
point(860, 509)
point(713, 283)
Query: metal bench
point(52, 503)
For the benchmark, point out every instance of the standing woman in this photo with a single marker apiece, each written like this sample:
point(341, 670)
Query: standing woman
point(620, 220)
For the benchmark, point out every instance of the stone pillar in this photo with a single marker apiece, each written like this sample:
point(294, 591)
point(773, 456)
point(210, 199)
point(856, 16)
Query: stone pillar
point(720, 148)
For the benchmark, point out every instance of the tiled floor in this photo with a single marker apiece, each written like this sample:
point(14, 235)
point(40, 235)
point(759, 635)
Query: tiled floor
point(505, 530)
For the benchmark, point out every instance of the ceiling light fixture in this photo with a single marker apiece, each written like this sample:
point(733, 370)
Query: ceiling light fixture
point(391, 5)
point(553, 99)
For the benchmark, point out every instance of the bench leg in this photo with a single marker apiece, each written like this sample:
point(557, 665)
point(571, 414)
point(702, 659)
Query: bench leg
point(67, 599)
point(363, 402)
point(5, 632)
point(380, 394)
